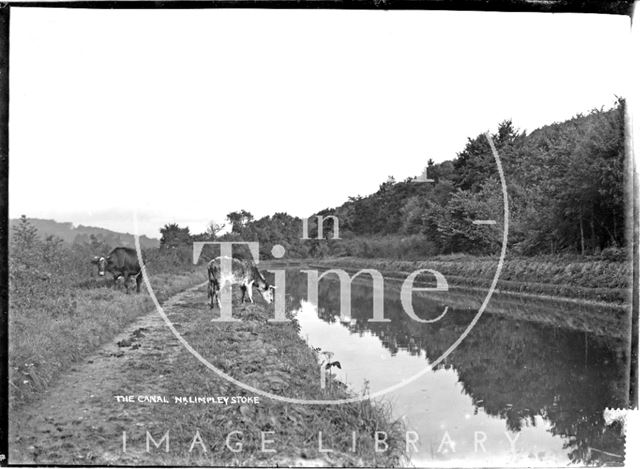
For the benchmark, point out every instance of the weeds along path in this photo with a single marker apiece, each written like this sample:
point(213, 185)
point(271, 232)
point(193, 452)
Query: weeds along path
point(50, 331)
point(80, 420)
point(75, 418)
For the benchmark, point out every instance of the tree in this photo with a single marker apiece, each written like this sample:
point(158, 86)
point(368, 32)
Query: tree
point(387, 184)
point(432, 172)
point(476, 163)
point(239, 220)
point(25, 235)
point(173, 236)
point(214, 228)
point(412, 213)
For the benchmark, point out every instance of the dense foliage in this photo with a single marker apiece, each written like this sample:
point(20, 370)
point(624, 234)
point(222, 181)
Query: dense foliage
point(60, 309)
point(566, 194)
point(565, 186)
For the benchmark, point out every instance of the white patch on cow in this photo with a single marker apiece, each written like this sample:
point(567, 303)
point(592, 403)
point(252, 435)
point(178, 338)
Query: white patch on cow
point(228, 279)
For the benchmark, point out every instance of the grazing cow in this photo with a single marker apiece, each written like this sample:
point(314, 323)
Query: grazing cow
point(243, 273)
point(121, 262)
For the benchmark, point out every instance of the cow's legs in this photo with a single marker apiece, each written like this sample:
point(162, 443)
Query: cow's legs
point(213, 294)
point(126, 282)
point(217, 292)
point(244, 292)
point(138, 282)
point(249, 288)
point(210, 293)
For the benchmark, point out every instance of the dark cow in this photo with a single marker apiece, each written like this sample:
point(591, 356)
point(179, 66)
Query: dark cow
point(121, 262)
point(243, 273)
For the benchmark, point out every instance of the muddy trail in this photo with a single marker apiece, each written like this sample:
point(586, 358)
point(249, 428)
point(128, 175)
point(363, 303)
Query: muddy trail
point(78, 418)
point(84, 418)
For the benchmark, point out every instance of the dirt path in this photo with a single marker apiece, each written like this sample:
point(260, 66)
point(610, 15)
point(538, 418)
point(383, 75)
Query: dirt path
point(76, 421)
point(80, 420)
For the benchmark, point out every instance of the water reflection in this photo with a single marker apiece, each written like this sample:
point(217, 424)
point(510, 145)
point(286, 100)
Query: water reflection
point(509, 379)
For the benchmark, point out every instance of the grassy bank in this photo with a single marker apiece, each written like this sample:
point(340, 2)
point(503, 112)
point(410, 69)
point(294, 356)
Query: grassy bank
point(53, 324)
point(271, 357)
point(585, 279)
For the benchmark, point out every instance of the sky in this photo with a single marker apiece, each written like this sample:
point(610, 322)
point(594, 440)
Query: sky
point(186, 115)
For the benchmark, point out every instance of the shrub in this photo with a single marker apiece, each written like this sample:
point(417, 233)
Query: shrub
point(59, 311)
point(614, 254)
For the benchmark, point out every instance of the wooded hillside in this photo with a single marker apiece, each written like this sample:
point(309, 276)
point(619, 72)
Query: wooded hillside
point(566, 194)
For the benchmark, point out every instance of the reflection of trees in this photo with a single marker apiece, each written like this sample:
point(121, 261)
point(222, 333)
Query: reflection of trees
point(516, 370)
point(520, 370)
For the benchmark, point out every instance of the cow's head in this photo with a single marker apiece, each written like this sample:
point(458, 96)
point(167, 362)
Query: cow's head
point(267, 291)
point(101, 262)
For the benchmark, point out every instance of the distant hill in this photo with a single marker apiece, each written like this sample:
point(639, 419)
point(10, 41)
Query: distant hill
point(82, 234)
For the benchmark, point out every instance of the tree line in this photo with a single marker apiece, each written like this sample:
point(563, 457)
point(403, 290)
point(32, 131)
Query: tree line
point(565, 184)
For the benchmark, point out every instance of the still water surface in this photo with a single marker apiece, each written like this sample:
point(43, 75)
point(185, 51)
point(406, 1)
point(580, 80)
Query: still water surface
point(513, 393)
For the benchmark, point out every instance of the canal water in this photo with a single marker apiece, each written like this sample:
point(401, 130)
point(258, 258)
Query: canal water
point(514, 392)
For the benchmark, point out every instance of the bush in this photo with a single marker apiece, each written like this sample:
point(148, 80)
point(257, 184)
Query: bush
point(614, 254)
point(412, 247)
point(59, 310)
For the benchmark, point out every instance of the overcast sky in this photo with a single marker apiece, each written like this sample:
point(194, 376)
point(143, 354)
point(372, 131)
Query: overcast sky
point(184, 116)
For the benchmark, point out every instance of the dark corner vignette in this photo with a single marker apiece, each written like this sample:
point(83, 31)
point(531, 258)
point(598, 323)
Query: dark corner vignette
point(616, 7)
point(4, 229)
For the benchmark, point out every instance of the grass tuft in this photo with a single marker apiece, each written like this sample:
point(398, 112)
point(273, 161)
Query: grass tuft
point(48, 333)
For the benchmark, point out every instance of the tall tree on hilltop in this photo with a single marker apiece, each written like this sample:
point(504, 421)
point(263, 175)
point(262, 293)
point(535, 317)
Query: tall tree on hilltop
point(476, 163)
point(24, 235)
point(173, 236)
point(239, 220)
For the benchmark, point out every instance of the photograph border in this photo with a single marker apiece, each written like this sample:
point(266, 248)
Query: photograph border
point(617, 7)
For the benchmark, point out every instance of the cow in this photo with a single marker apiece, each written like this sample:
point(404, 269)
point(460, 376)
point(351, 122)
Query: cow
point(121, 262)
point(243, 273)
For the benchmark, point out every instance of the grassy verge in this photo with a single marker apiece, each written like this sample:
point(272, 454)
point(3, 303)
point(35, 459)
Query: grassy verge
point(586, 279)
point(271, 357)
point(49, 332)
